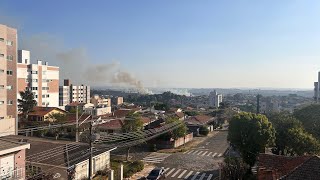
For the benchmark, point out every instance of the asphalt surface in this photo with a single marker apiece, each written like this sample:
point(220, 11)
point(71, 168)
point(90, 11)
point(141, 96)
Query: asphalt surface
point(198, 163)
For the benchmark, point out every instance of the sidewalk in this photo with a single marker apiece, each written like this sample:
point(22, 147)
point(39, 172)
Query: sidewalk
point(147, 169)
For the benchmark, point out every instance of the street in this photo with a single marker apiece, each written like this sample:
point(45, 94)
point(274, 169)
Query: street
point(198, 163)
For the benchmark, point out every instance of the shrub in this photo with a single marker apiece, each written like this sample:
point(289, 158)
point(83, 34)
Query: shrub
point(204, 130)
point(133, 168)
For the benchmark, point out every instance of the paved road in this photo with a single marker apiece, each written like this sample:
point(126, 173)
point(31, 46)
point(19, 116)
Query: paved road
point(199, 163)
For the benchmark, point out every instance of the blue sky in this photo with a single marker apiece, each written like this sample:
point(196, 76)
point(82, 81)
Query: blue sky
point(184, 43)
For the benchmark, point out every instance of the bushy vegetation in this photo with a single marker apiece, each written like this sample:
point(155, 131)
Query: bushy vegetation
point(129, 168)
point(204, 130)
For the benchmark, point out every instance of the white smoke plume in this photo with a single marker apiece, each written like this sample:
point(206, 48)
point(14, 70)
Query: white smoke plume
point(76, 65)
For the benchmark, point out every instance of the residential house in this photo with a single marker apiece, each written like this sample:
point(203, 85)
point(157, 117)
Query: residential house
point(195, 122)
point(43, 113)
point(273, 167)
point(12, 159)
point(63, 159)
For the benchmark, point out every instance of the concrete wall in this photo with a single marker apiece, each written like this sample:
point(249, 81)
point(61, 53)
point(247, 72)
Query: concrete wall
point(175, 143)
point(7, 127)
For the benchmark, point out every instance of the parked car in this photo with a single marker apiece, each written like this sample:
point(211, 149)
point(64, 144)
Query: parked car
point(156, 174)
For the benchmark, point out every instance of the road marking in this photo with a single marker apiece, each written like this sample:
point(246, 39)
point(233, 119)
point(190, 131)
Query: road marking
point(176, 173)
point(190, 151)
point(166, 169)
point(170, 171)
point(182, 174)
point(195, 176)
point(155, 157)
point(204, 153)
point(203, 175)
point(207, 143)
point(220, 155)
point(209, 154)
point(214, 154)
point(188, 175)
point(195, 152)
point(200, 152)
point(209, 177)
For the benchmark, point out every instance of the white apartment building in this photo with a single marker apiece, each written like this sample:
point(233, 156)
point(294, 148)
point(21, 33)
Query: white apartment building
point(69, 93)
point(317, 89)
point(41, 78)
point(215, 99)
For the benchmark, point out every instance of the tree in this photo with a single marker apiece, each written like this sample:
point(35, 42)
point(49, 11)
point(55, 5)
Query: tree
point(291, 138)
point(250, 133)
point(204, 130)
point(283, 122)
point(233, 168)
point(179, 132)
point(161, 106)
point(26, 103)
point(309, 116)
point(132, 123)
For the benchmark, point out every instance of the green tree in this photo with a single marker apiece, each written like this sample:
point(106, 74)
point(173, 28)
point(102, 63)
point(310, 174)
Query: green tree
point(233, 169)
point(132, 123)
point(309, 116)
point(179, 132)
point(303, 143)
point(204, 130)
point(283, 122)
point(250, 134)
point(26, 103)
point(161, 106)
point(291, 138)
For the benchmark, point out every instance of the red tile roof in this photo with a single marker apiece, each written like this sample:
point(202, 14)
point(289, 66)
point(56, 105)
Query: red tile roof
point(200, 119)
point(113, 124)
point(279, 165)
point(41, 111)
point(145, 120)
point(122, 112)
point(179, 114)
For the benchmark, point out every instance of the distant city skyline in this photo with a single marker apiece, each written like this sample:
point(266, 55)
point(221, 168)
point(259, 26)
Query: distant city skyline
point(187, 44)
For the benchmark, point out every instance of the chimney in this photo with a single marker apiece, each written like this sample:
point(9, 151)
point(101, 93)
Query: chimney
point(39, 62)
point(46, 63)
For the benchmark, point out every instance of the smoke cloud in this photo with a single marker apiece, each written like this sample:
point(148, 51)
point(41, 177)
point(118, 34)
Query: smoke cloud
point(76, 65)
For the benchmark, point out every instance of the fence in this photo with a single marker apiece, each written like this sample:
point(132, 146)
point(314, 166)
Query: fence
point(15, 174)
point(175, 143)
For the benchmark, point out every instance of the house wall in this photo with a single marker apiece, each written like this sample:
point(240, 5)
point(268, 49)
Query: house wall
point(175, 143)
point(99, 162)
point(7, 127)
point(15, 163)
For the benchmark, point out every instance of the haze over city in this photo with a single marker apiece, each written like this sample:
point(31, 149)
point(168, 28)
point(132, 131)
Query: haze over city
point(190, 44)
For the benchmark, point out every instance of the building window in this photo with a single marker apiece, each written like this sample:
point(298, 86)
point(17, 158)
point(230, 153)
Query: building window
point(35, 96)
point(1, 70)
point(34, 72)
point(9, 87)
point(9, 57)
point(9, 43)
point(34, 88)
point(34, 80)
point(1, 39)
point(1, 102)
point(27, 88)
point(45, 88)
point(9, 72)
point(1, 86)
point(27, 80)
point(44, 72)
point(43, 103)
point(10, 102)
point(44, 96)
point(47, 95)
point(1, 55)
point(1, 117)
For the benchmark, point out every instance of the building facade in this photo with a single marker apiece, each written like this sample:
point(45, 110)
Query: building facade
point(8, 80)
point(215, 99)
point(96, 100)
point(69, 93)
point(317, 89)
point(40, 78)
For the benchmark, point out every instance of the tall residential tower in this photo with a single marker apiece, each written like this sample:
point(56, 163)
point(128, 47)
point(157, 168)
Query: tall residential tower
point(42, 79)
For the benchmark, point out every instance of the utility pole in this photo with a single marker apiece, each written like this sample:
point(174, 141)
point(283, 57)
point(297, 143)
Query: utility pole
point(77, 125)
point(90, 148)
